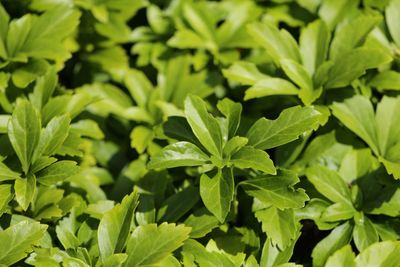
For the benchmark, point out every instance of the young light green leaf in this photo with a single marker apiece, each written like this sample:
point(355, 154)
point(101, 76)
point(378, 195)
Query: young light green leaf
point(7, 174)
point(279, 44)
point(290, 124)
point(357, 114)
point(115, 225)
point(352, 34)
point(333, 12)
point(18, 240)
point(25, 190)
point(24, 132)
point(234, 145)
point(88, 128)
point(232, 111)
point(269, 87)
point(297, 73)
point(178, 154)
point(382, 254)
point(6, 195)
point(353, 64)
point(199, 20)
point(44, 88)
point(204, 126)
point(330, 184)
point(139, 86)
point(338, 212)
point(386, 80)
point(202, 222)
point(314, 43)
point(338, 238)
point(392, 13)
point(53, 136)
point(217, 192)
point(276, 190)
point(150, 244)
point(115, 260)
point(279, 225)
point(250, 157)
point(342, 257)
point(57, 172)
point(141, 137)
point(244, 72)
point(364, 232)
point(272, 255)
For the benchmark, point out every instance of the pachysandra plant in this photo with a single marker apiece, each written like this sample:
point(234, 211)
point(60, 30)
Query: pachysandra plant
point(199, 133)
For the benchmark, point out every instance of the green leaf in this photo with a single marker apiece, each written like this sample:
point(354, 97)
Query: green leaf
point(27, 73)
point(338, 212)
point(244, 72)
point(290, 124)
point(297, 73)
point(383, 254)
point(139, 86)
point(7, 174)
point(57, 172)
point(6, 195)
point(150, 244)
point(18, 240)
point(269, 87)
point(44, 88)
point(141, 137)
point(334, 11)
point(234, 145)
point(25, 190)
point(250, 157)
point(217, 192)
point(353, 64)
point(232, 111)
point(342, 257)
point(314, 43)
point(279, 44)
point(24, 132)
point(364, 232)
point(352, 34)
point(115, 260)
point(178, 128)
point(392, 13)
point(17, 35)
point(330, 184)
point(388, 124)
point(279, 225)
point(200, 21)
point(53, 136)
point(114, 227)
point(357, 114)
point(87, 128)
point(276, 190)
point(178, 154)
point(272, 255)
point(204, 126)
point(386, 80)
point(185, 38)
point(202, 222)
point(339, 237)
point(195, 254)
point(177, 205)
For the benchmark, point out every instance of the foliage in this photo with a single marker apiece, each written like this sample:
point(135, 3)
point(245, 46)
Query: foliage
point(199, 133)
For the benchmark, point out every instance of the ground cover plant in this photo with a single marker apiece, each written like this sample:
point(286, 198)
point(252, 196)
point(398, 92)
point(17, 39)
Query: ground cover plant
point(200, 133)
